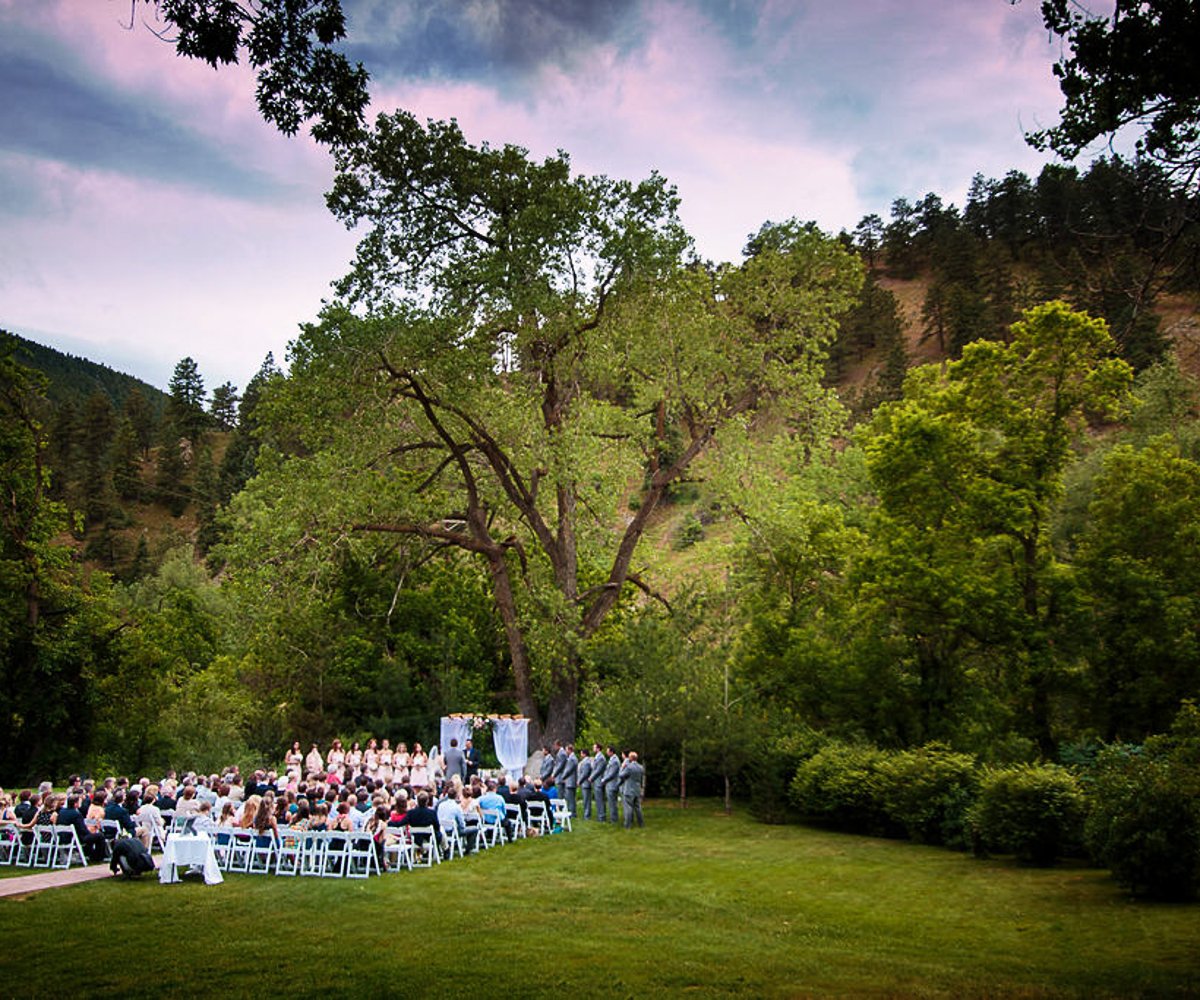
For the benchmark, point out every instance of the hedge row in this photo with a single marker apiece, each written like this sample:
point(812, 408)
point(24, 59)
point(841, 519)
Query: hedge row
point(1133, 809)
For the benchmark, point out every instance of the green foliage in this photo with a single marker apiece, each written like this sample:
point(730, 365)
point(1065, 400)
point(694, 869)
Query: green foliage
point(841, 784)
point(1034, 811)
point(927, 791)
point(779, 748)
point(301, 78)
point(1144, 817)
point(1106, 85)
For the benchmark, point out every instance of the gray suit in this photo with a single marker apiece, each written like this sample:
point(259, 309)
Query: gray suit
point(612, 772)
point(456, 763)
point(585, 784)
point(633, 784)
point(570, 780)
point(599, 762)
point(547, 767)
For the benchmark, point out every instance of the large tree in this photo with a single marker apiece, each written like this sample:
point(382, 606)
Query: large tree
point(968, 467)
point(524, 341)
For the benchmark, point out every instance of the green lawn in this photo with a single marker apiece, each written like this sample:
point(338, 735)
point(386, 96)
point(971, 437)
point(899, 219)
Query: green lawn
point(696, 903)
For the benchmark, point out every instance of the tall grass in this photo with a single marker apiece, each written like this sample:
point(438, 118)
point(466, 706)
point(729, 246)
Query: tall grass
point(696, 903)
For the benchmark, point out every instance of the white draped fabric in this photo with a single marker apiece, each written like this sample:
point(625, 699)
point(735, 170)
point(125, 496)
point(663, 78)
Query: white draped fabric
point(510, 737)
point(454, 729)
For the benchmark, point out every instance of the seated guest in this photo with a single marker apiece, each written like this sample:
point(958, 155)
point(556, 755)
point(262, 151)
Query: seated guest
point(265, 823)
point(165, 800)
point(228, 817)
point(399, 809)
point(26, 806)
point(245, 820)
point(204, 822)
point(150, 823)
point(187, 804)
point(492, 806)
point(299, 820)
point(450, 817)
point(320, 817)
point(422, 815)
point(341, 820)
point(115, 810)
point(92, 843)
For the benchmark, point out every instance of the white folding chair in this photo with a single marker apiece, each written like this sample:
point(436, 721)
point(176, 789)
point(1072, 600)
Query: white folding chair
point(45, 843)
point(361, 859)
point(223, 847)
point(537, 817)
point(289, 852)
point(67, 847)
point(513, 812)
point(475, 823)
point(312, 852)
point(9, 842)
point(453, 841)
point(262, 854)
point(398, 849)
point(333, 862)
point(425, 843)
point(241, 848)
point(562, 814)
point(111, 830)
point(491, 831)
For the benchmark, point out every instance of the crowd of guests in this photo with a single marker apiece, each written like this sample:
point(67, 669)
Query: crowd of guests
point(376, 790)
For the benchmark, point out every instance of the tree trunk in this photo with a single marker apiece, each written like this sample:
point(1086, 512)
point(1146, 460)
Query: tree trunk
point(683, 776)
point(506, 604)
point(563, 708)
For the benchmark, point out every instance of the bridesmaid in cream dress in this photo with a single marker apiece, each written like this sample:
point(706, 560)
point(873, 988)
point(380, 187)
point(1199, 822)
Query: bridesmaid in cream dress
point(337, 757)
point(418, 764)
point(400, 763)
point(354, 758)
point(371, 760)
point(385, 763)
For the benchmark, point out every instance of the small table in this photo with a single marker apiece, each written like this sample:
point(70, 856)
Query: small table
point(190, 850)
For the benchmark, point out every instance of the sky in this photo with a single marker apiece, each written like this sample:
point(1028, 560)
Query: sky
point(148, 214)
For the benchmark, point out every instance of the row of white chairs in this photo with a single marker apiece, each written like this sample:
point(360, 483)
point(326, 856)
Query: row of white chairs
point(338, 854)
point(40, 847)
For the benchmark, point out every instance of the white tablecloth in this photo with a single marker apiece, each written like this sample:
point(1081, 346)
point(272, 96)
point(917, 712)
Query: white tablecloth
point(193, 851)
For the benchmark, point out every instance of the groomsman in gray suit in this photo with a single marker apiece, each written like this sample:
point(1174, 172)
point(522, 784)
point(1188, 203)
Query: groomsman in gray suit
point(633, 787)
point(585, 783)
point(570, 778)
point(599, 763)
point(612, 772)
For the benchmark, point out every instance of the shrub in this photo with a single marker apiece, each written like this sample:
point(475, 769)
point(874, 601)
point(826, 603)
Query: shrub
point(690, 532)
point(1144, 822)
point(927, 791)
point(774, 759)
point(840, 785)
point(1034, 811)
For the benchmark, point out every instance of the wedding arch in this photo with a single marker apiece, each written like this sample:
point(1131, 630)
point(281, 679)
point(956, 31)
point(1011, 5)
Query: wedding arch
point(510, 736)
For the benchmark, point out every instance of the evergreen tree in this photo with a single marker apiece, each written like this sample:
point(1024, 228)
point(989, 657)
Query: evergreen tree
point(141, 419)
point(186, 406)
point(224, 406)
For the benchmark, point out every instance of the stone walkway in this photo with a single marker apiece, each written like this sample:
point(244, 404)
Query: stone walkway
point(23, 885)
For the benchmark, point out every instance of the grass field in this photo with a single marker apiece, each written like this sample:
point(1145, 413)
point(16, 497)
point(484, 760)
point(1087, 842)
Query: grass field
point(696, 904)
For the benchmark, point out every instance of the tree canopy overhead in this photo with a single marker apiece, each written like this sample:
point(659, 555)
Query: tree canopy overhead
point(302, 78)
point(1137, 67)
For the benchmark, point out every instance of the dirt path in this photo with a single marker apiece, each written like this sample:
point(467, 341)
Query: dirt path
point(23, 885)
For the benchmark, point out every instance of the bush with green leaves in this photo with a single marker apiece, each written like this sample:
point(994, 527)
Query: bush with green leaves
point(927, 792)
point(840, 785)
point(1034, 811)
point(774, 759)
point(1144, 822)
